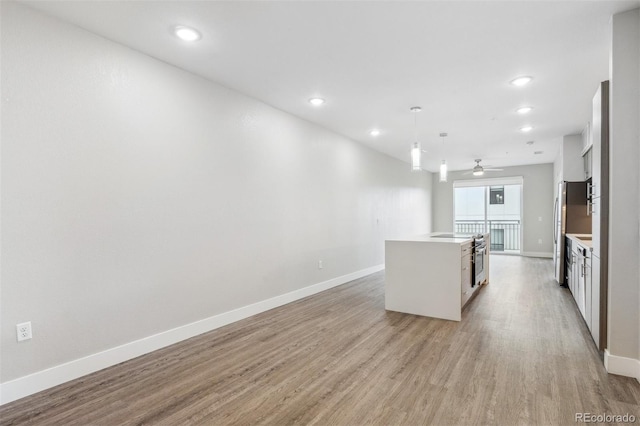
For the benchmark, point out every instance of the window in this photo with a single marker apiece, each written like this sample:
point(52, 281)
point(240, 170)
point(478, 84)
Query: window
point(492, 206)
point(496, 195)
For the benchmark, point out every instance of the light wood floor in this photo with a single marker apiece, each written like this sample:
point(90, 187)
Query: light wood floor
point(520, 355)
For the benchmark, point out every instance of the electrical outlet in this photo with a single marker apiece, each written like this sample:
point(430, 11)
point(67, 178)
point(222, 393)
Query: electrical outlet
point(24, 331)
point(320, 264)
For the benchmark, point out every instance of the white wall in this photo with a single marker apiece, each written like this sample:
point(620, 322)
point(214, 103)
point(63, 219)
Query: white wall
point(624, 188)
point(569, 163)
point(538, 199)
point(137, 197)
point(572, 163)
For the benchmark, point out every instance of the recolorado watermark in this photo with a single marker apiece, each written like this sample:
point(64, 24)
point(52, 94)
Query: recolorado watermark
point(605, 418)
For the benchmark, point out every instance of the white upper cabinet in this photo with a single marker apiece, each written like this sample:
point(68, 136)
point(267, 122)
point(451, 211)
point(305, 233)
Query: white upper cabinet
point(587, 141)
point(587, 152)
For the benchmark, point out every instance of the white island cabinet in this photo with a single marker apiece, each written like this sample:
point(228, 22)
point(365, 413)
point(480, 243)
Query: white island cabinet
point(430, 276)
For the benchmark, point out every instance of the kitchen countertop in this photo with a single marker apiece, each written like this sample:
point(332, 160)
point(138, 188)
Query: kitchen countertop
point(578, 238)
point(431, 238)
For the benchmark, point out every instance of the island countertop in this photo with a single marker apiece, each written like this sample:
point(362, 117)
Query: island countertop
point(436, 237)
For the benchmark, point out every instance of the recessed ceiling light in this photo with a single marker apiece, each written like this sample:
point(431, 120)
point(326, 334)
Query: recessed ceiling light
point(524, 109)
point(521, 81)
point(538, 152)
point(186, 33)
point(529, 142)
point(316, 101)
point(374, 132)
point(526, 129)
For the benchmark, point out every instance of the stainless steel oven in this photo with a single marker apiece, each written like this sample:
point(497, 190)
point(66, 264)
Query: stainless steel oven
point(479, 253)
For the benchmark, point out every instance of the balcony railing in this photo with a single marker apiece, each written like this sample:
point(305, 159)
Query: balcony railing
point(504, 234)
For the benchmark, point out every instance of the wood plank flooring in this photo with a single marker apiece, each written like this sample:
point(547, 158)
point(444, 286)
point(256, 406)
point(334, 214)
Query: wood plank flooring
point(521, 355)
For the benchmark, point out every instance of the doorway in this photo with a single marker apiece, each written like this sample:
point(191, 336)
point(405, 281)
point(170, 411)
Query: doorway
point(491, 206)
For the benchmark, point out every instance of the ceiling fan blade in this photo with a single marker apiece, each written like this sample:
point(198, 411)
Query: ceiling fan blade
point(493, 170)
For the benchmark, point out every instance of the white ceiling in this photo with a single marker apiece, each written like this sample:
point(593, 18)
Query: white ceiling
point(372, 61)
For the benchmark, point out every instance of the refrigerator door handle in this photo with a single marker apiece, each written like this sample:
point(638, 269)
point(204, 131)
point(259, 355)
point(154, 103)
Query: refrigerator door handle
point(555, 222)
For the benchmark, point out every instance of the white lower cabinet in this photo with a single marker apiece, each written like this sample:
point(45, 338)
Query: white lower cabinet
point(583, 276)
point(580, 284)
point(577, 281)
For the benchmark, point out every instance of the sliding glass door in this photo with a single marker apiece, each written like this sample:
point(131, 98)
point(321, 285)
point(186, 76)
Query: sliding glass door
point(491, 206)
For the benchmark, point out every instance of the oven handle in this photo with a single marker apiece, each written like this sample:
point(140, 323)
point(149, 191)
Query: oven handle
point(482, 250)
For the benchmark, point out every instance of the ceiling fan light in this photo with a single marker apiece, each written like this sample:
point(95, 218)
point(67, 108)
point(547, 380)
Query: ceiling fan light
point(443, 171)
point(478, 170)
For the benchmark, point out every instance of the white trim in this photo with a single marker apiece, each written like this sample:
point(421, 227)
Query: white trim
point(45, 379)
point(628, 367)
point(537, 254)
point(505, 253)
point(509, 180)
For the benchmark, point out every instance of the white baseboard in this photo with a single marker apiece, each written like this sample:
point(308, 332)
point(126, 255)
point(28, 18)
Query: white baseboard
point(628, 367)
point(537, 254)
point(45, 379)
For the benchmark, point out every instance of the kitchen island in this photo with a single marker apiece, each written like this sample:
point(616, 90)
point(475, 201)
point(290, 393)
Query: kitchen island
point(432, 274)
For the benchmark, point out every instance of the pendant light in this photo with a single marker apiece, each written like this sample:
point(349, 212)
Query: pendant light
point(443, 171)
point(443, 165)
point(416, 152)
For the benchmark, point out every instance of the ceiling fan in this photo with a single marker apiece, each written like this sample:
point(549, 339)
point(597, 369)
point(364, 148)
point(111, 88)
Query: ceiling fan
point(478, 170)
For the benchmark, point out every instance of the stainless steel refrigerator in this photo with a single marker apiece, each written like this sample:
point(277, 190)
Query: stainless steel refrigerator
point(571, 216)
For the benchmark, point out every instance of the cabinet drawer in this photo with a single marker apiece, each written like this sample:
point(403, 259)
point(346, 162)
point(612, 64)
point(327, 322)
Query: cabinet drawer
point(466, 295)
point(466, 279)
point(465, 264)
point(465, 249)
